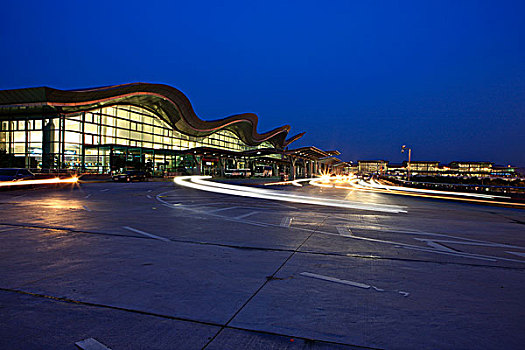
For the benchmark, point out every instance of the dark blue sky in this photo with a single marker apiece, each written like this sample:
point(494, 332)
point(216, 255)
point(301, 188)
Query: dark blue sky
point(445, 77)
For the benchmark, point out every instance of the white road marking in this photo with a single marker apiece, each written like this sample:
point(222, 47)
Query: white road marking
point(350, 283)
point(221, 209)
point(245, 215)
point(517, 253)
point(200, 205)
point(104, 190)
point(89, 195)
point(463, 255)
point(248, 222)
point(336, 280)
point(7, 229)
point(344, 231)
point(148, 196)
point(91, 344)
point(440, 247)
point(86, 208)
point(20, 196)
point(286, 221)
point(485, 244)
point(413, 247)
point(146, 234)
point(387, 229)
point(192, 196)
point(353, 236)
point(150, 190)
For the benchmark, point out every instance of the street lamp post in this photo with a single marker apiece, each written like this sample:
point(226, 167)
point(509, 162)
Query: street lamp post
point(403, 149)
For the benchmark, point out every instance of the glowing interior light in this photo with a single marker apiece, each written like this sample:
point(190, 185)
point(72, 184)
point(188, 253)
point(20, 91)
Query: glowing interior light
point(200, 183)
point(55, 180)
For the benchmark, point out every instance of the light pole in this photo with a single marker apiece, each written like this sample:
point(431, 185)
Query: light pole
point(403, 149)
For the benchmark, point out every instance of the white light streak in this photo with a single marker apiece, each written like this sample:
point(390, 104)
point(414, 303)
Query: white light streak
point(351, 183)
point(200, 183)
point(375, 184)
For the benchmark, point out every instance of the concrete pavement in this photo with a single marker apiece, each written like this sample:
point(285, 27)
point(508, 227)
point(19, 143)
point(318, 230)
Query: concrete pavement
point(152, 265)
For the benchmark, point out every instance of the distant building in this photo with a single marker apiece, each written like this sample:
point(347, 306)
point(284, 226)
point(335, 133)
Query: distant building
point(422, 167)
point(470, 168)
point(396, 169)
point(372, 166)
point(464, 169)
point(504, 171)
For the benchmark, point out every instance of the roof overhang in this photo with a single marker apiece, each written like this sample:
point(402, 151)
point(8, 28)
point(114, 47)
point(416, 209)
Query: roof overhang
point(166, 102)
point(309, 152)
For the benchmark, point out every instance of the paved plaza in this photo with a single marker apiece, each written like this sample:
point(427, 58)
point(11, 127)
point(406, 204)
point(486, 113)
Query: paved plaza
point(154, 265)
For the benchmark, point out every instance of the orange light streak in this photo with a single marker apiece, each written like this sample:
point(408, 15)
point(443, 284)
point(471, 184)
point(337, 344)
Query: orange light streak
point(55, 180)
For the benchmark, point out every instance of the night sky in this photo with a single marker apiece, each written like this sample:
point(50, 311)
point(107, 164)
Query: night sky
point(364, 77)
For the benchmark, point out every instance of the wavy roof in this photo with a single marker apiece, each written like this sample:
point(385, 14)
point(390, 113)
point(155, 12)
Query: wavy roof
point(168, 103)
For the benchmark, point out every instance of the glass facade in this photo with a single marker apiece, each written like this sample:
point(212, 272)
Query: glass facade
point(110, 138)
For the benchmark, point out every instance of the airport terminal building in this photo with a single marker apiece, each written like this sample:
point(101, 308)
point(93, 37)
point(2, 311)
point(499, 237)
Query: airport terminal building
point(140, 126)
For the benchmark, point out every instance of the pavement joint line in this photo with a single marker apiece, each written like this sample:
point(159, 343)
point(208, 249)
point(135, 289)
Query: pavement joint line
point(146, 233)
point(171, 317)
point(232, 246)
point(263, 285)
point(73, 230)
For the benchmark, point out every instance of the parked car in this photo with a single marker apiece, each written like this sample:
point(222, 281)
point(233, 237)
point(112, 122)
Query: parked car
point(130, 175)
point(13, 174)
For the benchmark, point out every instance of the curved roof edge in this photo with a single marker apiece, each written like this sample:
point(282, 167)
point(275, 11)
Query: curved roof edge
point(165, 101)
point(293, 138)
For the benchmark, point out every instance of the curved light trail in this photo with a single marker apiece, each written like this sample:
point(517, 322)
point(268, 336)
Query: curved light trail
point(200, 183)
point(375, 184)
point(353, 183)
